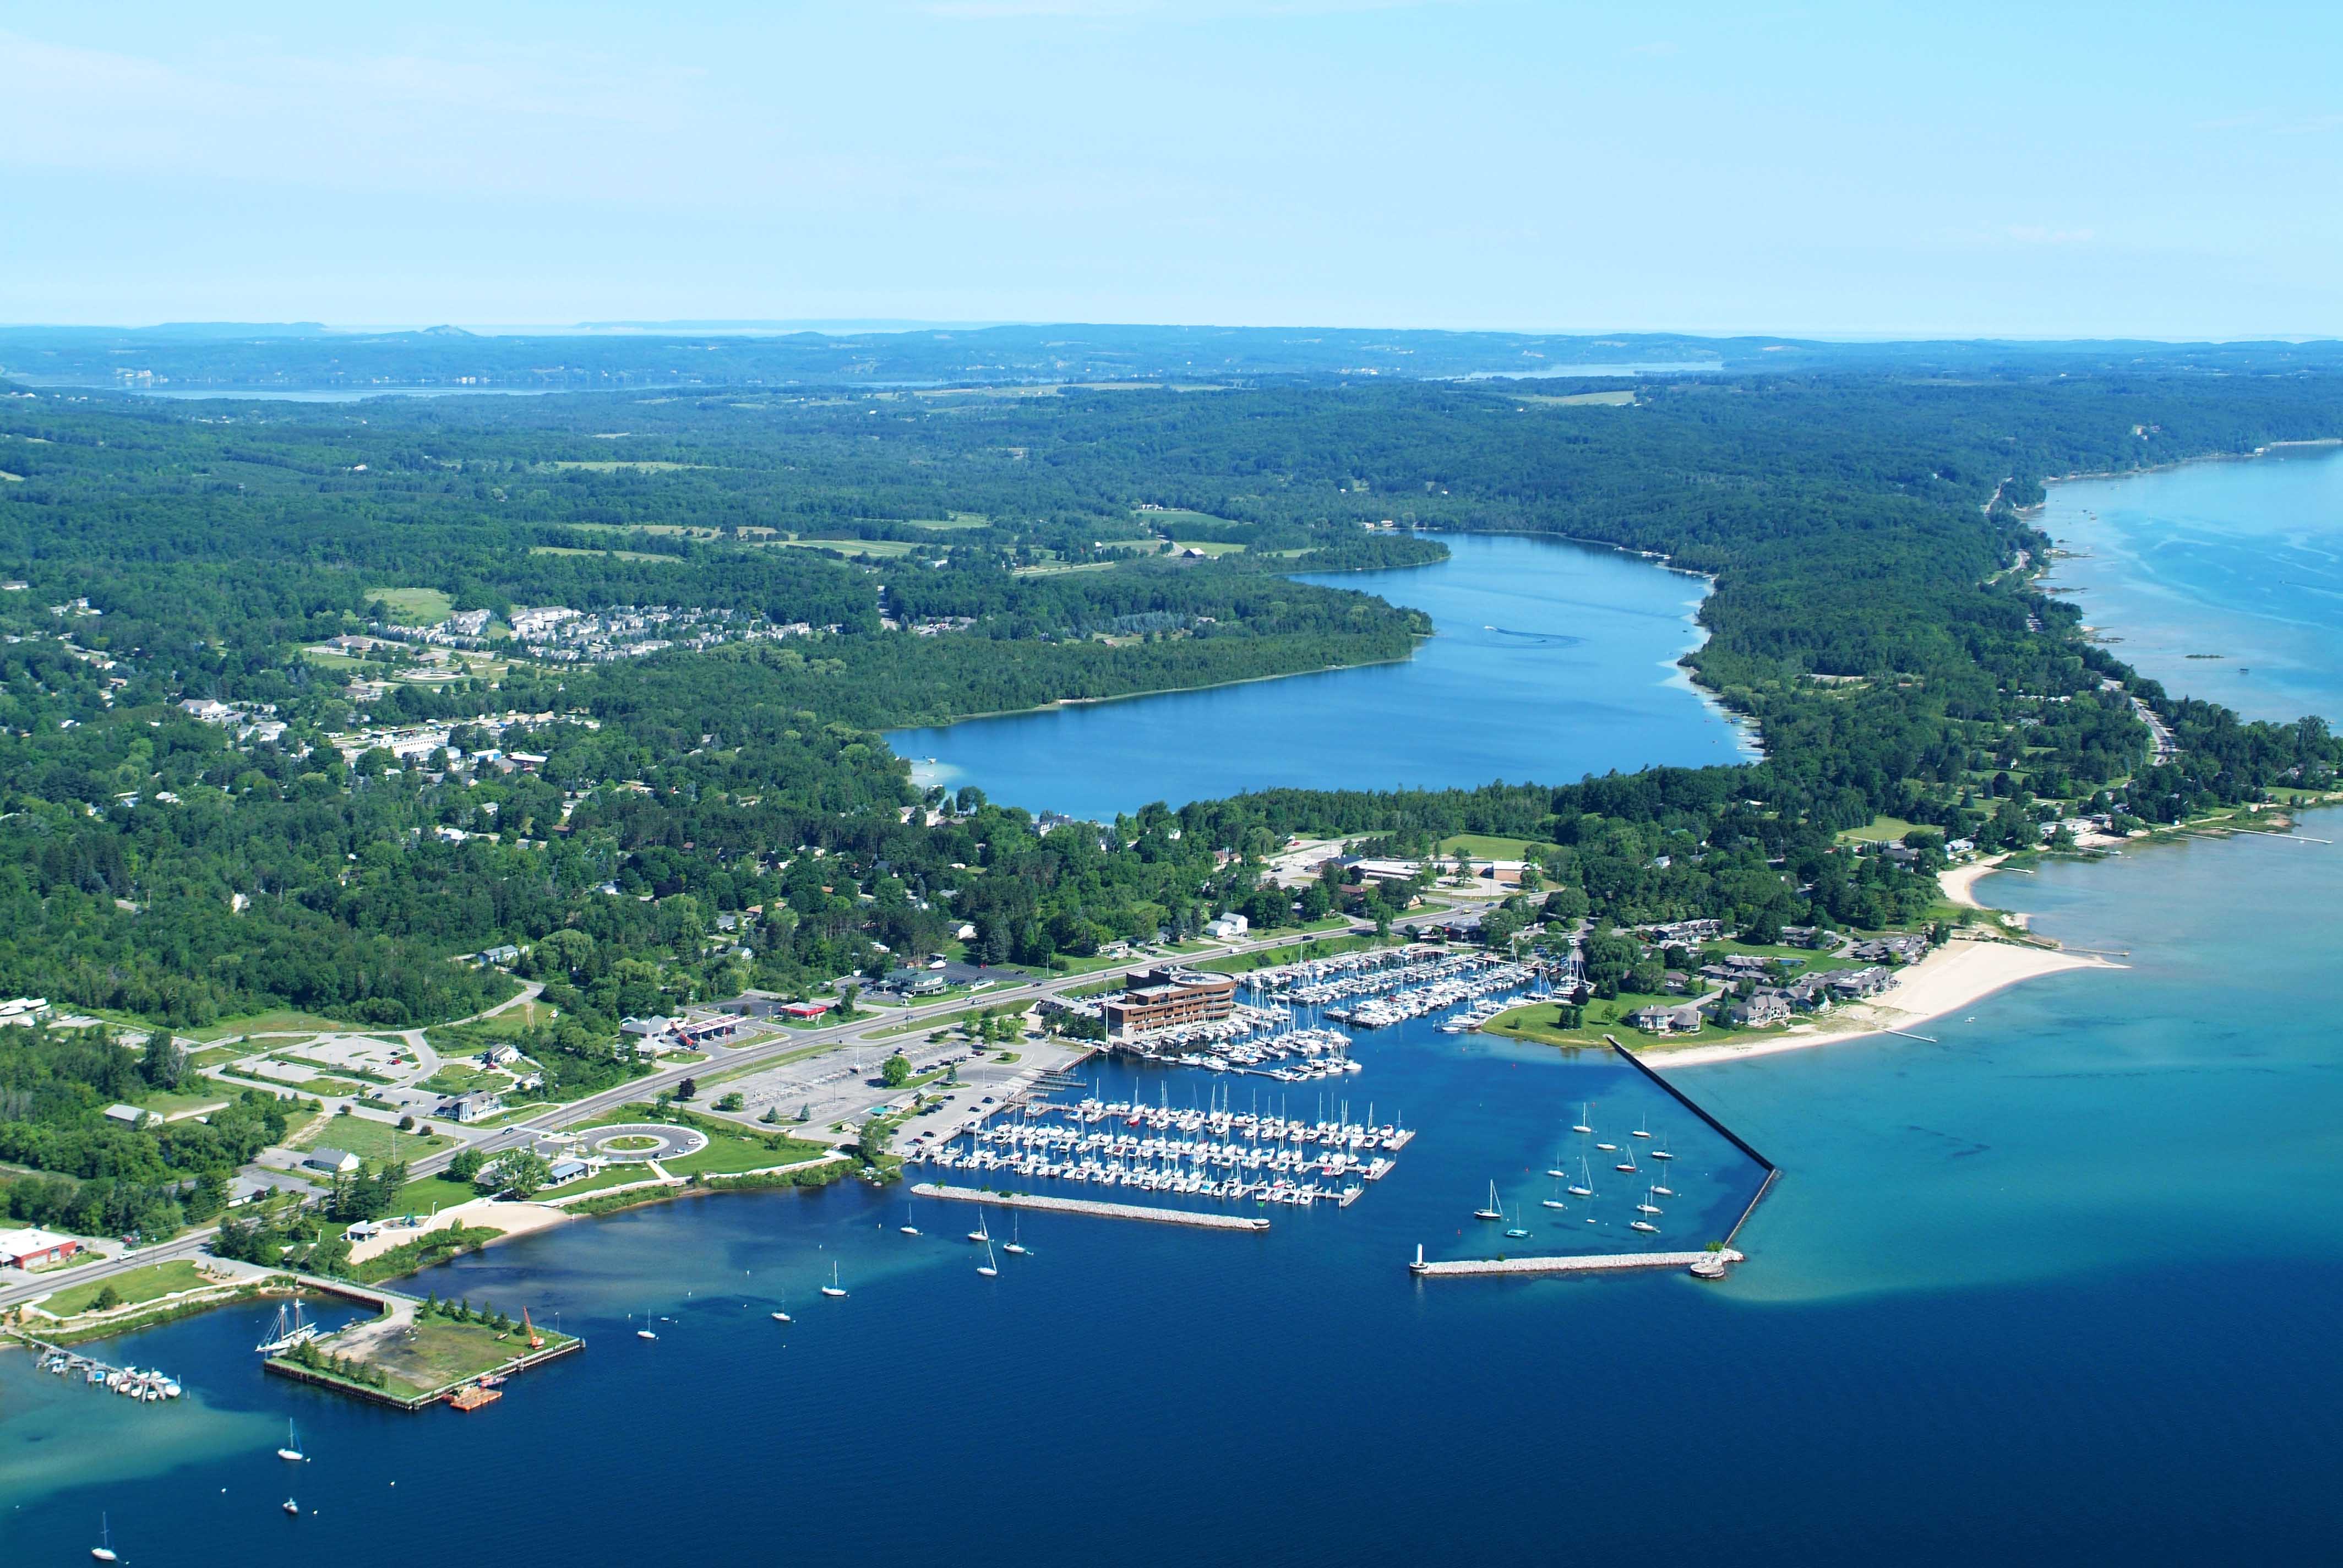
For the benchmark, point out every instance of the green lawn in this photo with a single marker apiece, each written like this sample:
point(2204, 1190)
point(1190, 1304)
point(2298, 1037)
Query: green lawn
point(1209, 547)
point(283, 1020)
point(438, 1352)
point(171, 1104)
point(1882, 831)
point(616, 1176)
point(425, 1194)
point(1483, 847)
point(152, 1282)
point(414, 605)
point(1538, 1020)
point(729, 1156)
point(452, 1078)
point(370, 1140)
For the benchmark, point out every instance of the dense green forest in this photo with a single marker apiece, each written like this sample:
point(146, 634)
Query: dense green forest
point(706, 817)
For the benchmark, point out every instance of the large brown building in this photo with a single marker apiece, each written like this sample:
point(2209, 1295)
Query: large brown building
point(1165, 997)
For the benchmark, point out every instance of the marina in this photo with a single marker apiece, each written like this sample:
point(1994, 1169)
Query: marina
point(147, 1387)
point(1215, 1153)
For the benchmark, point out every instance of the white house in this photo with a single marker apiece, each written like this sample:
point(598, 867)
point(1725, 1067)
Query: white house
point(332, 1162)
point(1227, 927)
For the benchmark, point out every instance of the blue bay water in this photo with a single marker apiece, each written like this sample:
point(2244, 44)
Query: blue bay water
point(1552, 659)
point(2239, 560)
point(2060, 1283)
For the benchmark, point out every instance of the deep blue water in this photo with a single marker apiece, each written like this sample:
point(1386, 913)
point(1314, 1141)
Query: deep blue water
point(2061, 1284)
point(1552, 660)
point(2239, 560)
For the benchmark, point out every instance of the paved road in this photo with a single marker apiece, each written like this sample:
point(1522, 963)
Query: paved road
point(862, 1030)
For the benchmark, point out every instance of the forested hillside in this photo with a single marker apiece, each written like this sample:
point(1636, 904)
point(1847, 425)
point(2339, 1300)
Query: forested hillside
point(961, 552)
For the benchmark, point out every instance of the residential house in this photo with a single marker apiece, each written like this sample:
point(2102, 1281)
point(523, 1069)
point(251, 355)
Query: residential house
point(332, 1162)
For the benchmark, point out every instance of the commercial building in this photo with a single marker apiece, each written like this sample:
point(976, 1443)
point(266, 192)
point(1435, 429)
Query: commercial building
point(32, 1247)
point(1166, 997)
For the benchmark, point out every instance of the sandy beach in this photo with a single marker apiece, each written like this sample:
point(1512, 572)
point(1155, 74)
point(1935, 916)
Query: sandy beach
point(1959, 974)
point(512, 1219)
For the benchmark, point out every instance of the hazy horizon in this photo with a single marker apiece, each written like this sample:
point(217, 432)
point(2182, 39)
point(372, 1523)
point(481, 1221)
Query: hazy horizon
point(1830, 171)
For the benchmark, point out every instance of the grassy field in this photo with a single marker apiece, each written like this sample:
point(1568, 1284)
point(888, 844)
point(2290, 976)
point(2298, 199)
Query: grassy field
point(414, 605)
point(427, 1193)
point(614, 555)
point(439, 1353)
point(1482, 846)
point(957, 520)
point(166, 1104)
point(616, 1176)
point(370, 1140)
point(453, 1079)
point(282, 1021)
point(1539, 1020)
point(1882, 831)
point(889, 547)
point(728, 1156)
point(150, 1284)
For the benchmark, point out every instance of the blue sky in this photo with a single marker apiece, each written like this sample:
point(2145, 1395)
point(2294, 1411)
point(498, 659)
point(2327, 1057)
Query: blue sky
point(2017, 170)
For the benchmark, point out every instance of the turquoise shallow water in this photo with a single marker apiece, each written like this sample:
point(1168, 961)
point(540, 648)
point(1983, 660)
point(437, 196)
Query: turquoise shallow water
point(2062, 1283)
point(1552, 660)
point(2241, 559)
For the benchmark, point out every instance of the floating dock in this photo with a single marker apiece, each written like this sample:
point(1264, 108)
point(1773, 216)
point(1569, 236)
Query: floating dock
point(1589, 1264)
point(1191, 1217)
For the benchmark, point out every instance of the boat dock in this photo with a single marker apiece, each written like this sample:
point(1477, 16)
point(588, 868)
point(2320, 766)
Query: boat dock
point(1587, 1264)
point(129, 1382)
point(1085, 1206)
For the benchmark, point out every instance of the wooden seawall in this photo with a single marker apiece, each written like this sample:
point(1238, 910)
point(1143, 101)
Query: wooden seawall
point(1202, 1222)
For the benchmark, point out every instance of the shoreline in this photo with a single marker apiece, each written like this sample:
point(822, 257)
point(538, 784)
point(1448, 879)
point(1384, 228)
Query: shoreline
point(1059, 704)
point(1962, 973)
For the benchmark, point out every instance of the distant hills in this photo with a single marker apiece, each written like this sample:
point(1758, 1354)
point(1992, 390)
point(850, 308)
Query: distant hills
point(230, 356)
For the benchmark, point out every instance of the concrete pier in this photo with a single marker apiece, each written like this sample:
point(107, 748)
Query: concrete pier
point(1591, 1263)
point(1085, 1206)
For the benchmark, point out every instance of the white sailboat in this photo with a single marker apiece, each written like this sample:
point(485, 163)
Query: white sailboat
point(645, 1332)
point(906, 1227)
point(1643, 1130)
point(104, 1550)
point(1585, 1187)
point(783, 1318)
point(1555, 1201)
point(291, 1452)
point(292, 1508)
point(980, 1233)
point(1664, 1191)
point(1626, 1161)
point(991, 1267)
point(1648, 1208)
point(1492, 1211)
point(1015, 1230)
point(833, 1288)
point(1662, 1151)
